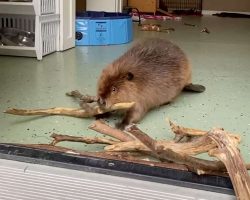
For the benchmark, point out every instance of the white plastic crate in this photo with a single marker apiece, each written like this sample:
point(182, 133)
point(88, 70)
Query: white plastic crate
point(35, 7)
point(47, 6)
point(49, 38)
point(45, 27)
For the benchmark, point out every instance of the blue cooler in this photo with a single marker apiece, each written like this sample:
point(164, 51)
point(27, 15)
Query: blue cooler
point(103, 28)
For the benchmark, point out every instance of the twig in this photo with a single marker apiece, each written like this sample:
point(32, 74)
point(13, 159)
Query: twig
point(88, 140)
point(105, 129)
point(187, 24)
point(205, 30)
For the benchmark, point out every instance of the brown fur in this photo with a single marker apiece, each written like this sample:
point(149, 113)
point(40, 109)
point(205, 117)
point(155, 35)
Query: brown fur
point(151, 73)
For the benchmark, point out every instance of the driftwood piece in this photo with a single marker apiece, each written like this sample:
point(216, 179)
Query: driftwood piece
point(200, 144)
point(228, 153)
point(88, 140)
point(196, 165)
point(101, 127)
point(197, 146)
point(74, 112)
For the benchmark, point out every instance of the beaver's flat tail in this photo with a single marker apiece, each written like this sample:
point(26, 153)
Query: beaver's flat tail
point(194, 88)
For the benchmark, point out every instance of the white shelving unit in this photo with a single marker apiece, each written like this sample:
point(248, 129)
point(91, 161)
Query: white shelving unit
point(39, 16)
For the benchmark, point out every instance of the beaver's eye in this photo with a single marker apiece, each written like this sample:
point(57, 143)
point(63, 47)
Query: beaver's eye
point(113, 89)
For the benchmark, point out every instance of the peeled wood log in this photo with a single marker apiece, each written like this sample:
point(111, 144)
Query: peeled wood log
point(101, 127)
point(74, 112)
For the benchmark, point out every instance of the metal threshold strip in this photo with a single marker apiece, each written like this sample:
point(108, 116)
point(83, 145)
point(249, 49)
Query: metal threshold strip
point(27, 181)
point(28, 173)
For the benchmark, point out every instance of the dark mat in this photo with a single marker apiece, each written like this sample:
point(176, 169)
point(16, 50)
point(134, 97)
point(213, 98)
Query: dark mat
point(233, 15)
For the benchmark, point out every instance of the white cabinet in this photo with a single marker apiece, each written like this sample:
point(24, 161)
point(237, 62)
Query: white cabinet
point(52, 22)
point(67, 26)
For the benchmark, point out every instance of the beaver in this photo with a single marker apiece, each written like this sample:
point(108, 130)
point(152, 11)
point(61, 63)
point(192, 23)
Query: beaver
point(151, 73)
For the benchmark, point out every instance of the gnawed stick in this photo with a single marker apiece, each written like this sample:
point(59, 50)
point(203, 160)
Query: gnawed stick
point(196, 165)
point(74, 112)
point(228, 153)
point(105, 129)
point(88, 140)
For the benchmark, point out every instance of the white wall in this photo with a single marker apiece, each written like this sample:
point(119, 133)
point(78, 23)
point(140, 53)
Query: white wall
point(104, 5)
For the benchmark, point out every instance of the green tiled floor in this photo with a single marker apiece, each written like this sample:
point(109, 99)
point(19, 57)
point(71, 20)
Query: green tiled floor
point(221, 62)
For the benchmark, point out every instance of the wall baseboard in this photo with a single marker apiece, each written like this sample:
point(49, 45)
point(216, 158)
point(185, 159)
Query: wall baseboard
point(211, 12)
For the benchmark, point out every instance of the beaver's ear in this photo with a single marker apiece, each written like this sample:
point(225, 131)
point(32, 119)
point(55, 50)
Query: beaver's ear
point(130, 76)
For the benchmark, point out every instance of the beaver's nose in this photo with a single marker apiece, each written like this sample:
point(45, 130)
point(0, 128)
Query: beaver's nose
point(101, 101)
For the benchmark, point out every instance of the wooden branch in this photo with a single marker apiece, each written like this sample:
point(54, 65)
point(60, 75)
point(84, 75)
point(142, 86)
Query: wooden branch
point(197, 146)
point(228, 153)
point(130, 146)
point(88, 140)
point(196, 165)
point(74, 112)
point(81, 97)
point(105, 129)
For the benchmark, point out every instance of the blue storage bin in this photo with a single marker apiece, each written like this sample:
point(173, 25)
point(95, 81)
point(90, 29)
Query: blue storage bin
point(103, 28)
